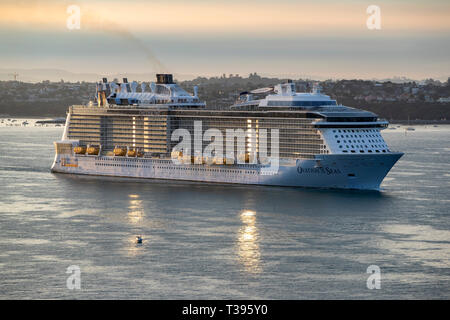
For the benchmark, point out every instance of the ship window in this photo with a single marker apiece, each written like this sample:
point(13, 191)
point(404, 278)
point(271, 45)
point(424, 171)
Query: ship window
point(352, 151)
point(344, 151)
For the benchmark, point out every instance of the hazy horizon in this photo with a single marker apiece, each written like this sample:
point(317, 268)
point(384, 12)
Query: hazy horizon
point(322, 40)
point(37, 75)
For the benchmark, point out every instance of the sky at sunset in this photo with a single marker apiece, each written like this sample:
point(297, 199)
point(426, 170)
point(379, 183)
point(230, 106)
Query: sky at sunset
point(319, 39)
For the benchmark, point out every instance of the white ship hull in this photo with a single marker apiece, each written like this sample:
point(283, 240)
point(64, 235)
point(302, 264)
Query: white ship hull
point(325, 171)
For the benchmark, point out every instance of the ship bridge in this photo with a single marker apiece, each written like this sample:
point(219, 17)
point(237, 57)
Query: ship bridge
point(284, 96)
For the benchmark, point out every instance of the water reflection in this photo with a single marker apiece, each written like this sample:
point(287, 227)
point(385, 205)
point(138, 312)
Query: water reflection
point(248, 243)
point(423, 243)
point(136, 211)
point(135, 216)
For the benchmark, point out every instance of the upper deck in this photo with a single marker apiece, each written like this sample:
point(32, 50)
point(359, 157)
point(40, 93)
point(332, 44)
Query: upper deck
point(281, 101)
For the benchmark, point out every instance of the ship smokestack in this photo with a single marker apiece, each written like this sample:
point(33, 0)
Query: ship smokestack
point(164, 78)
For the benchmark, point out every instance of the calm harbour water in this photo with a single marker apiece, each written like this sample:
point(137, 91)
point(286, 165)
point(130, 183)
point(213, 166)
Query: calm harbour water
point(204, 241)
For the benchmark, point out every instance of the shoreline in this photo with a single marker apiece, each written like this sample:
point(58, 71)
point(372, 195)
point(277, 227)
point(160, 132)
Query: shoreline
point(391, 122)
point(418, 122)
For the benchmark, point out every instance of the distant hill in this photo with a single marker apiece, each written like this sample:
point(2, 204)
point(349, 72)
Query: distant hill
point(55, 75)
point(394, 101)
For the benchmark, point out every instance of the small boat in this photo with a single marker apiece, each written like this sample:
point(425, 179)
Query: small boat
point(131, 153)
point(138, 239)
point(410, 129)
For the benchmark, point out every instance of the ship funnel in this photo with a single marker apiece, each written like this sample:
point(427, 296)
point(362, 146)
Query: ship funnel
point(126, 85)
point(163, 78)
point(195, 91)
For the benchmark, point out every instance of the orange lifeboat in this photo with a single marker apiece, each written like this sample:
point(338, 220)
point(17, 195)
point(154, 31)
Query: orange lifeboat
point(93, 150)
point(131, 153)
point(79, 150)
point(120, 152)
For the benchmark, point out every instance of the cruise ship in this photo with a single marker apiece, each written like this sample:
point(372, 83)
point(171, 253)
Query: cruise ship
point(271, 136)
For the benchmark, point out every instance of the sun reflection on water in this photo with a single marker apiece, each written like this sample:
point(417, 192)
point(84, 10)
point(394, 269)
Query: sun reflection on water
point(248, 243)
point(136, 211)
point(136, 216)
